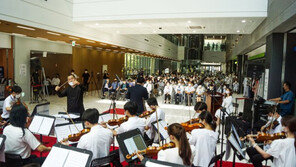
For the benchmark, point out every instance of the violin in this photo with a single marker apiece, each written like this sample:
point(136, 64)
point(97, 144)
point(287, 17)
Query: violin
point(113, 122)
point(152, 150)
point(77, 136)
point(190, 127)
point(273, 125)
point(192, 121)
point(262, 137)
point(146, 114)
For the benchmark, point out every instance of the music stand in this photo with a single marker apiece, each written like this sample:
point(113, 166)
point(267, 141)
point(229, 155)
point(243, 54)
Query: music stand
point(42, 125)
point(42, 108)
point(152, 163)
point(236, 148)
point(62, 156)
point(163, 133)
point(62, 131)
point(105, 117)
point(129, 142)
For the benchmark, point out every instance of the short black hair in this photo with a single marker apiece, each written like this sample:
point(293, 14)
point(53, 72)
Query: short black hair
point(18, 116)
point(152, 101)
point(91, 115)
point(201, 106)
point(140, 80)
point(131, 107)
point(288, 84)
point(16, 89)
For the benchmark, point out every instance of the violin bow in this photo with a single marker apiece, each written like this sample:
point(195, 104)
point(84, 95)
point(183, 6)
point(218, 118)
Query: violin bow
point(71, 120)
point(157, 124)
point(63, 84)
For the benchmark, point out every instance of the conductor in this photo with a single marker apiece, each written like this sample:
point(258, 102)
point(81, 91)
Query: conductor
point(74, 93)
point(138, 94)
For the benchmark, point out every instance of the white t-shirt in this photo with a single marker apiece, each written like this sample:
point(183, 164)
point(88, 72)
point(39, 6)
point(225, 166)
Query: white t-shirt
point(189, 89)
point(55, 81)
point(98, 141)
point(172, 155)
point(227, 103)
point(200, 90)
point(16, 143)
point(8, 102)
point(283, 152)
point(205, 142)
point(151, 132)
point(179, 88)
point(168, 89)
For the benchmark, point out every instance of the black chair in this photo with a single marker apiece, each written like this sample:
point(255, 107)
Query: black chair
point(113, 158)
point(216, 158)
point(13, 160)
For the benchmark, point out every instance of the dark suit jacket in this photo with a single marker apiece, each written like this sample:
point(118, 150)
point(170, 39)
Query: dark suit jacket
point(136, 94)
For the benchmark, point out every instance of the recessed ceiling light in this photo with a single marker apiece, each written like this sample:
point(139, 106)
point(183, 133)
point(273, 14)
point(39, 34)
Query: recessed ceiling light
point(74, 38)
point(90, 41)
point(243, 21)
point(188, 21)
point(107, 50)
point(140, 23)
point(237, 31)
point(88, 46)
point(97, 24)
point(27, 28)
point(103, 44)
point(53, 33)
point(114, 46)
point(154, 31)
point(17, 34)
point(194, 31)
point(117, 32)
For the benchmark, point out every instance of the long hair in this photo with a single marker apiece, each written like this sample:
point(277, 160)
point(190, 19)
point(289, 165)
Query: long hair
point(292, 128)
point(18, 117)
point(207, 116)
point(179, 133)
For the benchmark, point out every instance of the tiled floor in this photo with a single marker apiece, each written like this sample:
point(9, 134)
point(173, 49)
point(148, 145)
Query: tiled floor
point(174, 113)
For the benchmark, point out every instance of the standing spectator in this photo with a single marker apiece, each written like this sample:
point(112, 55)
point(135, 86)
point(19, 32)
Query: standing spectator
point(73, 73)
point(86, 79)
point(55, 82)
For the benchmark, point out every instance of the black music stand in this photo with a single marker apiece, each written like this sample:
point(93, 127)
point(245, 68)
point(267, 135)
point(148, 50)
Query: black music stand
point(236, 148)
point(152, 162)
point(131, 141)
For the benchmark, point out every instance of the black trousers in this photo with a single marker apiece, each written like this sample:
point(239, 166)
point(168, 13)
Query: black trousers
point(255, 157)
point(34, 159)
point(167, 97)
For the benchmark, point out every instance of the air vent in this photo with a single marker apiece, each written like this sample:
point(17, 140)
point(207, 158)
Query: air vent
point(196, 27)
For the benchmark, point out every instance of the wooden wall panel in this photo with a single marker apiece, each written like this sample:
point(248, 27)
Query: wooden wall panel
point(93, 60)
point(3, 62)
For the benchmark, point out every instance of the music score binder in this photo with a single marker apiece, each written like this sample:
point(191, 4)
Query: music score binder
point(131, 141)
point(156, 163)
point(66, 156)
point(42, 108)
point(42, 124)
point(163, 133)
point(62, 131)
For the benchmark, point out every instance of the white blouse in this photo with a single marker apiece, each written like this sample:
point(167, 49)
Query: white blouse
point(205, 142)
point(283, 152)
point(172, 155)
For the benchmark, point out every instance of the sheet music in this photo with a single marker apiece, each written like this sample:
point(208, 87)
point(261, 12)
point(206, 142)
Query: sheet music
point(130, 145)
point(76, 159)
point(63, 132)
point(152, 164)
point(56, 157)
point(46, 126)
point(73, 128)
point(36, 124)
point(162, 124)
point(105, 118)
point(234, 143)
point(42, 108)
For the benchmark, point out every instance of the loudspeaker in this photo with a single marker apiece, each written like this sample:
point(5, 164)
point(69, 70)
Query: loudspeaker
point(247, 112)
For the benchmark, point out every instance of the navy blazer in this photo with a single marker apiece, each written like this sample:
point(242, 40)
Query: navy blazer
point(136, 94)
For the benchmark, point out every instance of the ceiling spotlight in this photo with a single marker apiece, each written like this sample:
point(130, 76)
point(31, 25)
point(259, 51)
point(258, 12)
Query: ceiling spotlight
point(237, 31)
point(154, 31)
point(90, 41)
point(53, 33)
point(140, 23)
point(243, 21)
point(103, 44)
point(97, 24)
point(27, 28)
point(188, 21)
point(73, 37)
point(117, 32)
point(194, 31)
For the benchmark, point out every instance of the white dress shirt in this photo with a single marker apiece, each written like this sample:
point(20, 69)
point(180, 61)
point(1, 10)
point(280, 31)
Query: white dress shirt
point(179, 88)
point(227, 103)
point(283, 152)
point(200, 90)
point(189, 89)
point(98, 141)
point(16, 143)
point(168, 89)
point(151, 132)
point(8, 102)
point(172, 155)
point(55, 81)
point(205, 142)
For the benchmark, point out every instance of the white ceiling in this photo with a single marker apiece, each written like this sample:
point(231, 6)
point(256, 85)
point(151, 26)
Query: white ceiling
point(228, 25)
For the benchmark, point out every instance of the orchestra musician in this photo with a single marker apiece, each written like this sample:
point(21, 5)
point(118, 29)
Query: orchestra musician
point(151, 132)
point(273, 117)
point(199, 107)
point(19, 140)
point(183, 153)
point(281, 150)
point(99, 139)
point(74, 94)
point(10, 101)
point(204, 140)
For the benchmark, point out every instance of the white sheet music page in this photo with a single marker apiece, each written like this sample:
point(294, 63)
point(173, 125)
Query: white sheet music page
point(76, 159)
point(152, 164)
point(62, 132)
point(35, 124)
point(130, 145)
point(73, 128)
point(56, 157)
point(162, 131)
point(46, 126)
